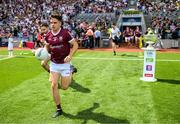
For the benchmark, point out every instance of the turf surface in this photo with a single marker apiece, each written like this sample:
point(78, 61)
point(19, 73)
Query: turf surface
point(107, 89)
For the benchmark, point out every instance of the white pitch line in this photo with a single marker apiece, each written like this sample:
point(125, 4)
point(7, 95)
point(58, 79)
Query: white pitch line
point(94, 58)
point(6, 58)
point(127, 59)
point(3, 55)
point(113, 59)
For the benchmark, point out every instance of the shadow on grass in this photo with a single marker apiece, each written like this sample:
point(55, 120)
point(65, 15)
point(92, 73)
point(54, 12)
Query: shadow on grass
point(129, 55)
point(88, 114)
point(169, 81)
point(79, 88)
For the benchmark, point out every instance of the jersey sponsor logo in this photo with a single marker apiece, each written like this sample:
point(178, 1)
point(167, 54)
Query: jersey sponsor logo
point(60, 39)
point(55, 39)
point(58, 46)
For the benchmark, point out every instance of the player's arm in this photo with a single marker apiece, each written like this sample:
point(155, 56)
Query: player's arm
point(119, 33)
point(74, 44)
point(45, 43)
point(47, 47)
point(110, 35)
point(74, 48)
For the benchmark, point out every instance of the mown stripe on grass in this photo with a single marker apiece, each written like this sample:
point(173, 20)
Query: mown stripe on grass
point(166, 93)
point(120, 95)
point(16, 70)
point(28, 102)
point(115, 86)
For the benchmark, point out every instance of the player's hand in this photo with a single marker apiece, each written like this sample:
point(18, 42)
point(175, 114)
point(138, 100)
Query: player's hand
point(43, 41)
point(67, 59)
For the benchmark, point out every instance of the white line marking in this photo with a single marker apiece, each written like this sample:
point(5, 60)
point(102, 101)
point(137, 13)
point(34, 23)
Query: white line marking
point(108, 59)
point(127, 59)
point(6, 58)
point(94, 58)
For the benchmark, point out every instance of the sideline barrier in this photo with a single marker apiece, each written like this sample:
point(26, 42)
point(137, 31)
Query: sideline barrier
point(30, 44)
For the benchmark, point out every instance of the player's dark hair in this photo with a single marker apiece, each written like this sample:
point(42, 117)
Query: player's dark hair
point(56, 15)
point(114, 23)
point(44, 25)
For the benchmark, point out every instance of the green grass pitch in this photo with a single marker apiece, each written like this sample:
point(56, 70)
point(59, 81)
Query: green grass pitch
point(107, 89)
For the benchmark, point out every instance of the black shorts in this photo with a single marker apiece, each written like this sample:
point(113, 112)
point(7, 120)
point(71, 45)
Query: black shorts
point(115, 41)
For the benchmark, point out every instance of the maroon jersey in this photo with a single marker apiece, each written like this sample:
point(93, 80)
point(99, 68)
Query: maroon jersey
point(137, 33)
point(59, 45)
point(127, 33)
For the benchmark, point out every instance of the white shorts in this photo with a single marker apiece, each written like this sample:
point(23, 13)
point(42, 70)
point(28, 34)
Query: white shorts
point(63, 69)
point(10, 46)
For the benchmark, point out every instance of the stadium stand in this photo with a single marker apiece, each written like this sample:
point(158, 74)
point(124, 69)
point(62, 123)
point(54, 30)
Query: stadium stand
point(23, 17)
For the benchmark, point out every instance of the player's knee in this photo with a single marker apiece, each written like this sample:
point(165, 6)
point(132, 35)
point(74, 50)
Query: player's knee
point(65, 82)
point(65, 87)
point(43, 63)
point(53, 85)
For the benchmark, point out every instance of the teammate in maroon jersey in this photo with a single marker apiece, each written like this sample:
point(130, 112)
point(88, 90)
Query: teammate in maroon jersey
point(137, 35)
point(44, 28)
point(58, 44)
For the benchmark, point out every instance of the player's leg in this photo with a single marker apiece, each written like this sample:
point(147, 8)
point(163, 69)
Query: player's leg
point(11, 53)
point(126, 41)
point(114, 47)
point(65, 82)
point(55, 92)
point(98, 42)
point(137, 41)
point(73, 68)
point(129, 41)
point(66, 76)
point(45, 65)
point(55, 75)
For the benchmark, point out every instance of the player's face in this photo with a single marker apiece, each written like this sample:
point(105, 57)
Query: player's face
point(44, 29)
point(55, 24)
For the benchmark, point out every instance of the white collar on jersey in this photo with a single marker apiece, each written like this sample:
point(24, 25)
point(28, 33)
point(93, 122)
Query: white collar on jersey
point(57, 32)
